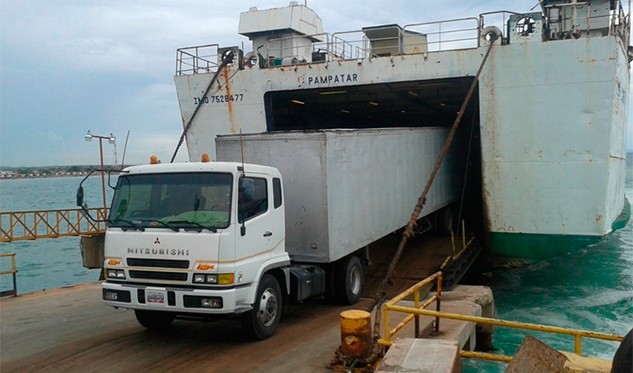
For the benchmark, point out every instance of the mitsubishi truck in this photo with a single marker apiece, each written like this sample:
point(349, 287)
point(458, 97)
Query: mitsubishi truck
point(276, 219)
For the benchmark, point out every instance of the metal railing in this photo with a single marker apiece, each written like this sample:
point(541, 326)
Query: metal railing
point(202, 59)
point(32, 225)
point(413, 312)
point(345, 45)
point(419, 309)
point(456, 255)
point(13, 272)
point(452, 34)
point(444, 35)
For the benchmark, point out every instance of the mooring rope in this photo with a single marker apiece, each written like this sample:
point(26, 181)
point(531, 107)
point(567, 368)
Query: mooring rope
point(228, 58)
point(381, 293)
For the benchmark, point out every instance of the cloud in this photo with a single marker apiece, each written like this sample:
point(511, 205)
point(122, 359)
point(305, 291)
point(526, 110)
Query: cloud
point(108, 66)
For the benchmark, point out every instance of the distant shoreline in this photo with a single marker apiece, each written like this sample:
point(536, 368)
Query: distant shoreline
point(17, 173)
point(22, 176)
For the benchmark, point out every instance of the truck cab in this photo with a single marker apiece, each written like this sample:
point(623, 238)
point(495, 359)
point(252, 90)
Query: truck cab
point(197, 239)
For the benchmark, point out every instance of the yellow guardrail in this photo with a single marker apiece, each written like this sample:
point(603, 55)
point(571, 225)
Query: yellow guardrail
point(419, 309)
point(458, 254)
point(31, 225)
point(13, 272)
point(415, 291)
point(576, 333)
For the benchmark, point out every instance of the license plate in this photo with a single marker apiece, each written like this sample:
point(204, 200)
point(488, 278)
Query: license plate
point(155, 297)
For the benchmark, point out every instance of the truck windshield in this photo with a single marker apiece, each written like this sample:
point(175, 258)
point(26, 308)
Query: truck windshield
point(179, 200)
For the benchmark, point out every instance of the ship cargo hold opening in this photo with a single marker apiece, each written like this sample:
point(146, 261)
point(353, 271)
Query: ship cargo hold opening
point(422, 103)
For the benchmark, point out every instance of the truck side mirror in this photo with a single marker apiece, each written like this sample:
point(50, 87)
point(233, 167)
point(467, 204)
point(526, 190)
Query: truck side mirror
point(80, 199)
point(243, 229)
point(80, 196)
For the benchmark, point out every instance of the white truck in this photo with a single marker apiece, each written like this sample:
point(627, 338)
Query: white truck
point(232, 238)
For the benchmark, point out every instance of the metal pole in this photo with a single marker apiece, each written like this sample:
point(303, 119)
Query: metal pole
point(102, 174)
point(125, 149)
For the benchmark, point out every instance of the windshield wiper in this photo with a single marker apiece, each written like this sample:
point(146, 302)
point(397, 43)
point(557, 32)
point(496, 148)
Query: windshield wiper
point(198, 225)
point(165, 225)
point(130, 223)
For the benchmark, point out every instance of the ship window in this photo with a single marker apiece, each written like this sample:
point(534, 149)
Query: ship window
point(525, 26)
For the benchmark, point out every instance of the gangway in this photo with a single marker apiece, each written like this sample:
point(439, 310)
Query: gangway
point(32, 225)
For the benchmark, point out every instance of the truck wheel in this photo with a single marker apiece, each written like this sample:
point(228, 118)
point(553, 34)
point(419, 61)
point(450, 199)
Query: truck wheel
point(154, 320)
point(350, 280)
point(263, 320)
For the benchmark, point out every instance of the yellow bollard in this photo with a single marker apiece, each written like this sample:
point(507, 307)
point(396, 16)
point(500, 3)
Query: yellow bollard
point(356, 341)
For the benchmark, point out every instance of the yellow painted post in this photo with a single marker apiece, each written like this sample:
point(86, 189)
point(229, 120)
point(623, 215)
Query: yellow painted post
point(416, 302)
point(12, 272)
point(356, 340)
point(385, 323)
point(577, 344)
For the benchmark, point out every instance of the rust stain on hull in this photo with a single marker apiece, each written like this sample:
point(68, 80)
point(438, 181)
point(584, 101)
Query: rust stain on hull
point(227, 88)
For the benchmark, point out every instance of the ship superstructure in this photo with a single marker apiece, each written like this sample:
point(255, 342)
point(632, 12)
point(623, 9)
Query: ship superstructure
point(543, 135)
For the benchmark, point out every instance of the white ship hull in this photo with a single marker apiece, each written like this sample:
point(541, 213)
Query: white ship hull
point(551, 117)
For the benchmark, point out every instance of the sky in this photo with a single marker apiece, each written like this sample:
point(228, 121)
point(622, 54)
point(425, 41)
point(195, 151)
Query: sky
point(70, 66)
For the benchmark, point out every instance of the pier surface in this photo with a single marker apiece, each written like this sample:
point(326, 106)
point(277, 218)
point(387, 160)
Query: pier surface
point(70, 330)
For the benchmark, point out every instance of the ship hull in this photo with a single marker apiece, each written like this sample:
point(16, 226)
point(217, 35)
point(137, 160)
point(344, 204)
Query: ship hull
point(551, 118)
point(553, 145)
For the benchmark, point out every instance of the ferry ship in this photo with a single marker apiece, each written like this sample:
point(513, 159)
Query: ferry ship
point(543, 135)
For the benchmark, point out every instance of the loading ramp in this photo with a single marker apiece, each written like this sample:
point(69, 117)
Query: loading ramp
point(423, 256)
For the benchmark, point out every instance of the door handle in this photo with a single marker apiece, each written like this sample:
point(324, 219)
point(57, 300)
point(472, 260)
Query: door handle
point(268, 234)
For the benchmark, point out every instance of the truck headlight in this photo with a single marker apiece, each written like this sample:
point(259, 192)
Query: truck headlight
point(221, 279)
point(117, 274)
point(199, 278)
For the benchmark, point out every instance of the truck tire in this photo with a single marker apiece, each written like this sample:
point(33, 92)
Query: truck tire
point(154, 320)
point(263, 320)
point(350, 280)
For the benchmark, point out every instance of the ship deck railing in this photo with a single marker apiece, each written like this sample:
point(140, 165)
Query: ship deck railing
point(32, 225)
point(445, 35)
point(420, 308)
point(201, 59)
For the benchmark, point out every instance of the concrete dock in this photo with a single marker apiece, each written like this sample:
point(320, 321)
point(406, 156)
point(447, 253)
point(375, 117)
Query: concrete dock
point(430, 351)
point(70, 330)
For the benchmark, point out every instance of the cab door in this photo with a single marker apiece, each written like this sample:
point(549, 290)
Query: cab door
point(256, 231)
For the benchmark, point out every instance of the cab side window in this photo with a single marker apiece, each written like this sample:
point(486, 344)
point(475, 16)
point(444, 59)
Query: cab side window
point(253, 198)
point(277, 192)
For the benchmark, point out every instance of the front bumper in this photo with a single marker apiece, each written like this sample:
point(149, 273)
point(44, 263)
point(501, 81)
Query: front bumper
point(173, 299)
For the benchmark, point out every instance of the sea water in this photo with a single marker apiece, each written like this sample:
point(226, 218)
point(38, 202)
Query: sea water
point(47, 263)
point(590, 289)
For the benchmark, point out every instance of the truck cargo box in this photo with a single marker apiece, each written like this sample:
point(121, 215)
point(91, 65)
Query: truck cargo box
point(345, 189)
